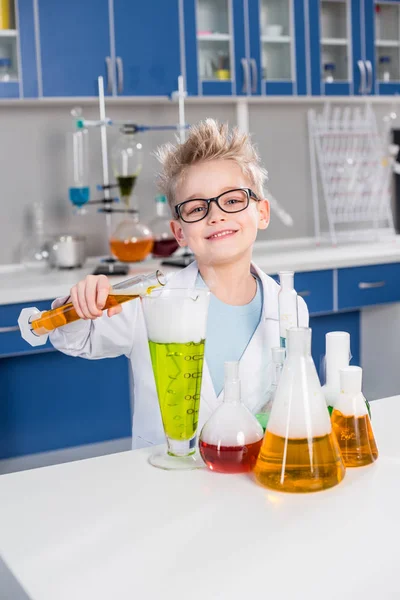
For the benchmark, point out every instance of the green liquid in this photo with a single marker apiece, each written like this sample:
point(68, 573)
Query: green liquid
point(263, 418)
point(126, 185)
point(178, 370)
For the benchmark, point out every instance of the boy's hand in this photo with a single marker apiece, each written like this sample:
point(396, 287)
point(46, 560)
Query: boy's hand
point(89, 297)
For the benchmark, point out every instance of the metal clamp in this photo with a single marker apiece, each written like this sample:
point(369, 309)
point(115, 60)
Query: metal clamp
point(363, 285)
point(120, 74)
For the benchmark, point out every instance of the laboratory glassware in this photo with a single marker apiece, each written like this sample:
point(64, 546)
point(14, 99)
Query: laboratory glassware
point(78, 162)
point(127, 157)
point(35, 326)
point(176, 329)
point(351, 423)
point(337, 356)
point(278, 358)
point(287, 303)
point(34, 250)
point(132, 240)
point(299, 453)
point(164, 242)
point(231, 439)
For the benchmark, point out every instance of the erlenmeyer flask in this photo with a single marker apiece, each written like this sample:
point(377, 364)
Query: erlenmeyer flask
point(299, 453)
point(127, 161)
point(176, 329)
point(231, 439)
point(278, 358)
point(351, 423)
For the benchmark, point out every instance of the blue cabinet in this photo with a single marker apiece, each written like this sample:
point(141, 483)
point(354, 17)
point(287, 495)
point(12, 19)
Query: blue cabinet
point(51, 401)
point(74, 47)
point(336, 48)
point(18, 45)
point(382, 45)
point(236, 47)
point(147, 47)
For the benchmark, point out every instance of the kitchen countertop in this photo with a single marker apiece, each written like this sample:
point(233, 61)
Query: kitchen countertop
point(18, 284)
point(115, 527)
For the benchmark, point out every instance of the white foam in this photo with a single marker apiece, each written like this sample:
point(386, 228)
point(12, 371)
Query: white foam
point(232, 424)
point(299, 408)
point(351, 405)
point(176, 319)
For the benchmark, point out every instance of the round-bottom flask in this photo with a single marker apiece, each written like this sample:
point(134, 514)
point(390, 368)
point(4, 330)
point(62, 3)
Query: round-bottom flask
point(164, 242)
point(231, 439)
point(132, 241)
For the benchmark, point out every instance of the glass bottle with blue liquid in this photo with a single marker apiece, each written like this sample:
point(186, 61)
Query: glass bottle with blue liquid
point(78, 162)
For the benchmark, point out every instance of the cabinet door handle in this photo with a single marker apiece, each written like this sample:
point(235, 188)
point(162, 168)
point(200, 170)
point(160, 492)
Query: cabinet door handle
point(304, 293)
point(363, 285)
point(109, 75)
point(120, 74)
point(9, 329)
point(246, 75)
point(369, 78)
point(363, 75)
point(254, 75)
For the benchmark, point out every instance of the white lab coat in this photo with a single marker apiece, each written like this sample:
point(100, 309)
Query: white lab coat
point(125, 333)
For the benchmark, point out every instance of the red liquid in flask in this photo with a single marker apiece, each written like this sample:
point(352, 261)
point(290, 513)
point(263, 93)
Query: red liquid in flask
point(230, 459)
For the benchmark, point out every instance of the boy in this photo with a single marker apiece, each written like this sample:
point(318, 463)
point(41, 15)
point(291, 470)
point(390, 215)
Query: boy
point(214, 186)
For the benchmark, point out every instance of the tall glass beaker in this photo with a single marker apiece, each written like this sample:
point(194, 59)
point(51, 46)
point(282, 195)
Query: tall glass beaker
point(300, 453)
point(176, 329)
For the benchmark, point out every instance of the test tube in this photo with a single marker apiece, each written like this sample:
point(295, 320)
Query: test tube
point(35, 325)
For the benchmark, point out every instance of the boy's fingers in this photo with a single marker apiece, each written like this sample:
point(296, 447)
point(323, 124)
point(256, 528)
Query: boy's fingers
point(81, 290)
point(103, 289)
point(115, 310)
point(90, 291)
point(75, 302)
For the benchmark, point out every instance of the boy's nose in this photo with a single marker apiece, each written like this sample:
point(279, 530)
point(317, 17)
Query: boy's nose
point(215, 213)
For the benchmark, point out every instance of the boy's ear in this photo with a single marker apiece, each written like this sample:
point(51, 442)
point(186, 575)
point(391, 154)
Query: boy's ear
point(178, 232)
point(264, 211)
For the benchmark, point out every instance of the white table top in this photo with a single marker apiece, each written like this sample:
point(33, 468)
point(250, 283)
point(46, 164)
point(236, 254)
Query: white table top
point(116, 528)
point(18, 284)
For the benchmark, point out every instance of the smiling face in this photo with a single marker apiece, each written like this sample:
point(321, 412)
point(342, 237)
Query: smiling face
point(220, 237)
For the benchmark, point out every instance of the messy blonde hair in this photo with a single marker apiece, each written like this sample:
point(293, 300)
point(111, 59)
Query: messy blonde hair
point(209, 140)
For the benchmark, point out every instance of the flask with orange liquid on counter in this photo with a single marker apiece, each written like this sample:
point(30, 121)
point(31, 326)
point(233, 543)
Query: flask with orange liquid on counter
point(351, 422)
point(35, 326)
point(299, 452)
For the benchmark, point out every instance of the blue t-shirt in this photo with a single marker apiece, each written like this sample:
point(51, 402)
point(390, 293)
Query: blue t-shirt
point(229, 331)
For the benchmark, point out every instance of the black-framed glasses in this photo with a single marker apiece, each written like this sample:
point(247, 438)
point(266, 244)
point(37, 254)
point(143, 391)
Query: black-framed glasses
point(232, 201)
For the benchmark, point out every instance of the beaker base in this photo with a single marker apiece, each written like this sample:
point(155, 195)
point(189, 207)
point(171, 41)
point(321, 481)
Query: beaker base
point(168, 462)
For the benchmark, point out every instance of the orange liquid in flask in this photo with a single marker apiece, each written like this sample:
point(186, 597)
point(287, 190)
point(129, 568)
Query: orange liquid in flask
point(299, 465)
point(127, 251)
point(355, 438)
